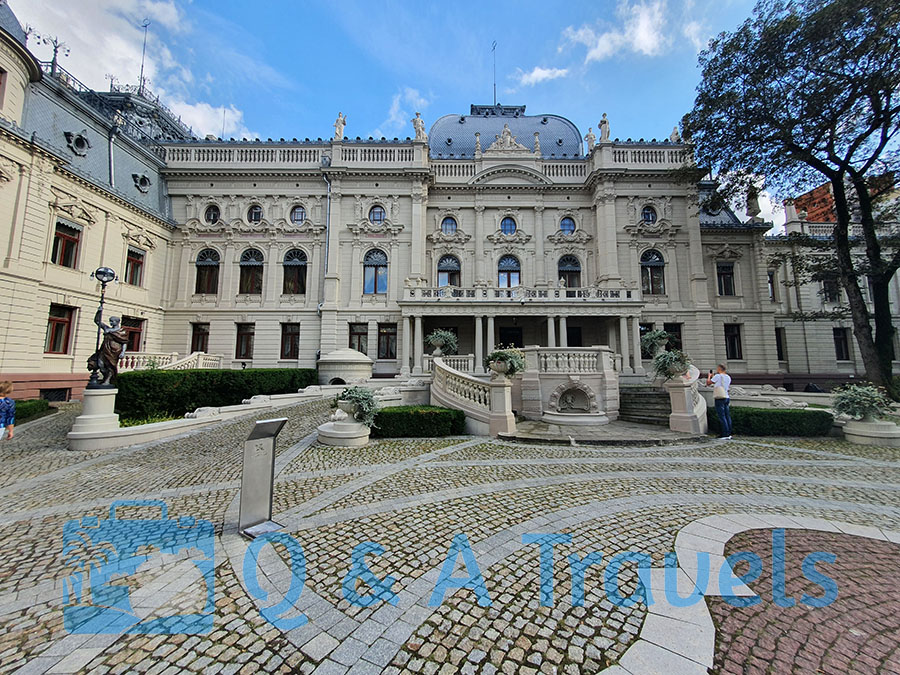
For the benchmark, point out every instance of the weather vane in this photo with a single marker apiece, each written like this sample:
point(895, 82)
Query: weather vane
point(59, 47)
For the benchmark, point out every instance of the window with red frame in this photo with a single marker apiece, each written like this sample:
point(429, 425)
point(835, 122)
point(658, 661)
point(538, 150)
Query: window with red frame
point(134, 266)
point(59, 329)
point(65, 246)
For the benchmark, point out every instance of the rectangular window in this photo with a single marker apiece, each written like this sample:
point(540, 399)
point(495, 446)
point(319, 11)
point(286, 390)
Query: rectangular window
point(770, 279)
point(294, 280)
point(841, 343)
point(674, 331)
point(734, 351)
point(831, 291)
point(359, 337)
point(3, 78)
point(644, 329)
point(290, 340)
point(200, 337)
point(244, 346)
point(65, 246)
point(59, 329)
point(207, 280)
point(374, 279)
point(780, 344)
point(387, 341)
point(134, 266)
point(725, 275)
point(134, 329)
point(251, 280)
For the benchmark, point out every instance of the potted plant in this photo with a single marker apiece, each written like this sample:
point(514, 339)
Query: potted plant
point(443, 341)
point(865, 404)
point(507, 361)
point(667, 363)
point(359, 404)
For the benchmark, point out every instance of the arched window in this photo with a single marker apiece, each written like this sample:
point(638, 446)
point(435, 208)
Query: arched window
point(298, 215)
point(448, 225)
point(294, 272)
point(375, 271)
point(653, 273)
point(567, 225)
point(376, 215)
point(207, 272)
point(508, 225)
point(648, 214)
point(251, 272)
point(448, 271)
point(254, 214)
point(569, 269)
point(508, 272)
point(212, 214)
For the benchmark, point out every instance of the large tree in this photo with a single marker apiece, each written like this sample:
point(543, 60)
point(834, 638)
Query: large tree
point(802, 93)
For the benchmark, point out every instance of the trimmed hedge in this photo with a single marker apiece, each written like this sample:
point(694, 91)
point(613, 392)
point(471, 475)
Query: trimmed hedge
point(418, 421)
point(30, 409)
point(171, 393)
point(774, 421)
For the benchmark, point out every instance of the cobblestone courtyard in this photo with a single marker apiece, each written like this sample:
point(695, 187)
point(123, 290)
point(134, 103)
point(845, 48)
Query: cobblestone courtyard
point(413, 497)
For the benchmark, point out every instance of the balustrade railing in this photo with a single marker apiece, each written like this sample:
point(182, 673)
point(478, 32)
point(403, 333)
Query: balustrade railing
point(521, 293)
point(464, 363)
point(564, 360)
point(169, 361)
point(469, 392)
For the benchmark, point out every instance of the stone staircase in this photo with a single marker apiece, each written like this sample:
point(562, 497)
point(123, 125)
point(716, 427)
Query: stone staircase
point(644, 405)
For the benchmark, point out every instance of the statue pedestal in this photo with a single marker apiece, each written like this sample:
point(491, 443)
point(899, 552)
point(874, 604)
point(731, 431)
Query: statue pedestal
point(344, 434)
point(97, 416)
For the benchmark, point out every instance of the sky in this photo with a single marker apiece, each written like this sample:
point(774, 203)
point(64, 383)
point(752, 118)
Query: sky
point(284, 69)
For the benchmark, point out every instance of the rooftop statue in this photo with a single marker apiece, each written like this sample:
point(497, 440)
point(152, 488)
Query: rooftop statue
point(419, 125)
point(753, 209)
point(675, 137)
point(506, 142)
point(106, 359)
point(603, 125)
point(590, 138)
point(339, 125)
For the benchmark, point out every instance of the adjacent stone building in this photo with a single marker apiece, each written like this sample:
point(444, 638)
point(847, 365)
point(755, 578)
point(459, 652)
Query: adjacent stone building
point(504, 227)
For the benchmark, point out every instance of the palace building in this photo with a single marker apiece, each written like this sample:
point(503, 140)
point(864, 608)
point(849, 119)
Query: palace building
point(503, 226)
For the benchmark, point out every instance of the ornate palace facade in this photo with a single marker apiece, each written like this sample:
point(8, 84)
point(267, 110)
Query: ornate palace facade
point(504, 227)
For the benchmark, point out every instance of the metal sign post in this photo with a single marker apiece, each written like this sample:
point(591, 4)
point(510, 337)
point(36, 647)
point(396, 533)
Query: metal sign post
point(258, 478)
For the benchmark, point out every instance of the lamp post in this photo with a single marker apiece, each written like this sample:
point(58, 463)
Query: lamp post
point(104, 275)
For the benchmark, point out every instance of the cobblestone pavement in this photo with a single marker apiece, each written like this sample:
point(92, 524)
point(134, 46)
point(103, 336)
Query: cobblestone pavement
point(414, 497)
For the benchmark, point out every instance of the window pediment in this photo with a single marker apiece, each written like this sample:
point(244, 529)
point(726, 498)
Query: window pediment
point(509, 174)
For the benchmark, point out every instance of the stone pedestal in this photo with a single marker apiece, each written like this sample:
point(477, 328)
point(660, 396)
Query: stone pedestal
point(875, 432)
point(688, 407)
point(98, 417)
point(346, 433)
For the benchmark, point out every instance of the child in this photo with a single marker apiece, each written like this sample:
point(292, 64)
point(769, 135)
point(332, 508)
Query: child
point(7, 410)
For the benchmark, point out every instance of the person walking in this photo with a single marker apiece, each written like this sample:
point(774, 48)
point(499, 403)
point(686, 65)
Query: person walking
point(721, 382)
point(7, 411)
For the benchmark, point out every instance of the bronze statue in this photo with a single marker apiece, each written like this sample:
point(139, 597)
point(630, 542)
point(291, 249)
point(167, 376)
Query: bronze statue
point(106, 359)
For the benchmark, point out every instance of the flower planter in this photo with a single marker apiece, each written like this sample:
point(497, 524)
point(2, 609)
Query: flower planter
point(500, 368)
point(869, 431)
point(437, 344)
point(348, 407)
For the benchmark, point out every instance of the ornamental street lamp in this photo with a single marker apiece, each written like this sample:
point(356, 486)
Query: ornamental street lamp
point(105, 275)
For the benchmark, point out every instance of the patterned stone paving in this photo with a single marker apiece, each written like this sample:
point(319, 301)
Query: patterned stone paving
point(413, 496)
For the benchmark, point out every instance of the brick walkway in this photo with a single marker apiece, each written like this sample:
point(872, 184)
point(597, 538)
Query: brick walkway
point(413, 497)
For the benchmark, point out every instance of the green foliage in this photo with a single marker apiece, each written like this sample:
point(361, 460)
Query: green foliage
point(450, 345)
point(774, 422)
point(171, 393)
point(671, 363)
point(512, 356)
point(418, 421)
point(366, 405)
point(30, 409)
point(135, 422)
point(654, 340)
point(860, 400)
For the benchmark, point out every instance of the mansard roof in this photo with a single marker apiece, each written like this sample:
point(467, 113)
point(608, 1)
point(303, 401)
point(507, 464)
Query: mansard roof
point(10, 23)
point(453, 136)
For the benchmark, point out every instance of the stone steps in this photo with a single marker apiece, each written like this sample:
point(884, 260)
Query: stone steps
point(644, 405)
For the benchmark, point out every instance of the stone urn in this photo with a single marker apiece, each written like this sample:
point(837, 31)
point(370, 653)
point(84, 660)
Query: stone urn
point(348, 407)
point(437, 343)
point(872, 431)
point(500, 368)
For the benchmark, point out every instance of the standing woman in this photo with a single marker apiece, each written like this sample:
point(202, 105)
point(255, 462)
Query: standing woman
point(7, 411)
point(721, 382)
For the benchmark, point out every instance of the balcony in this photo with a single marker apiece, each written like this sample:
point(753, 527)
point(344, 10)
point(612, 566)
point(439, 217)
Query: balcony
point(521, 295)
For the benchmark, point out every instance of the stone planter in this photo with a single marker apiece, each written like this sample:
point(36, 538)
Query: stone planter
point(344, 432)
point(437, 344)
point(869, 431)
point(500, 368)
point(348, 407)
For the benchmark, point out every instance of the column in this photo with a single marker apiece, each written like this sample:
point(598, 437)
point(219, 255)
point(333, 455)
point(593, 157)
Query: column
point(699, 289)
point(394, 272)
point(332, 263)
point(405, 329)
point(610, 237)
point(356, 275)
point(551, 331)
point(372, 340)
point(479, 243)
point(479, 345)
point(623, 345)
point(563, 332)
point(271, 287)
point(539, 262)
point(490, 334)
point(417, 261)
point(418, 346)
point(313, 275)
point(636, 344)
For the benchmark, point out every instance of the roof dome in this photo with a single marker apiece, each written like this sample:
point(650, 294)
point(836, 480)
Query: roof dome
point(10, 23)
point(453, 136)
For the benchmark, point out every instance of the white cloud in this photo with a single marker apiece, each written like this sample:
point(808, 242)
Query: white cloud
point(641, 30)
point(538, 75)
point(404, 105)
point(696, 33)
point(206, 119)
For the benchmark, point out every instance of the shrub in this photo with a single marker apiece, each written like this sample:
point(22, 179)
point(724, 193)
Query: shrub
point(774, 422)
point(366, 405)
point(513, 357)
point(667, 363)
point(30, 409)
point(860, 401)
point(422, 421)
point(171, 393)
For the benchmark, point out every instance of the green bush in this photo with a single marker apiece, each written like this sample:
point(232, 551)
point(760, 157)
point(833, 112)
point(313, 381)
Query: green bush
point(418, 421)
point(774, 422)
point(171, 393)
point(31, 409)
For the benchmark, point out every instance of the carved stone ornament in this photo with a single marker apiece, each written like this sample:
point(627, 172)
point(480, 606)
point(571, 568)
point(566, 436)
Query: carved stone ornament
point(440, 237)
point(643, 228)
point(139, 238)
point(506, 143)
point(572, 397)
point(73, 207)
point(365, 226)
point(78, 142)
point(576, 237)
point(142, 182)
point(517, 237)
point(723, 252)
point(8, 170)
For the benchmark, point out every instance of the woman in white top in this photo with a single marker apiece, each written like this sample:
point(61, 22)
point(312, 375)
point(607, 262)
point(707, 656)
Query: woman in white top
point(722, 393)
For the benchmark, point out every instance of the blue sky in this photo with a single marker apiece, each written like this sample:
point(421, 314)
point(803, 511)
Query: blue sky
point(284, 69)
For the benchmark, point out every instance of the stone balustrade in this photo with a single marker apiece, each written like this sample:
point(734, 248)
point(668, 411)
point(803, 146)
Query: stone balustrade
point(169, 361)
point(688, 406)
point(567, 360)
point(464, 363)
point(520, 294)
point(486, 403)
